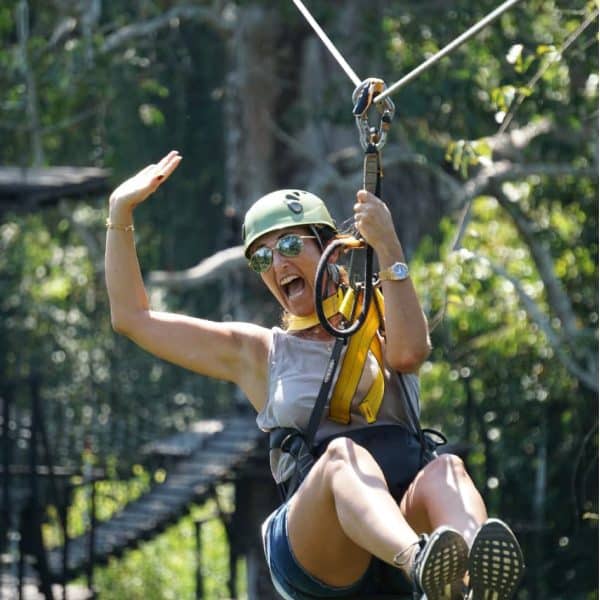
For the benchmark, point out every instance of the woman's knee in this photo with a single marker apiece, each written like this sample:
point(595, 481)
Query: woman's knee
point(343, 453)
point(446, 468)
point(339, 453)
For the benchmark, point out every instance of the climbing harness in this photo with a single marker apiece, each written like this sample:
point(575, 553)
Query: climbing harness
point(355, 360)
point(363, 329)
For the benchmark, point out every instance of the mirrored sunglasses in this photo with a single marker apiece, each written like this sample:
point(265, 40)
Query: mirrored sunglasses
point(289, 245)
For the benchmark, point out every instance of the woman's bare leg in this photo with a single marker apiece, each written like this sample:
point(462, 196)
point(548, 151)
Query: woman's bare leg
point(342, 514)
point(444, 494)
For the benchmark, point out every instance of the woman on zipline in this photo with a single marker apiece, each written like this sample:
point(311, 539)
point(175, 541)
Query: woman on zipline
point(350, 529)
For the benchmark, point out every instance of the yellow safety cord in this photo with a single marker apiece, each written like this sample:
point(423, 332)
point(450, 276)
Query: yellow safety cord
point(361, 342)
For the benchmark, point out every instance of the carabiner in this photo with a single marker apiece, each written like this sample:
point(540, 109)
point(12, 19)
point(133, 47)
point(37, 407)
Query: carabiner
point(362, 97)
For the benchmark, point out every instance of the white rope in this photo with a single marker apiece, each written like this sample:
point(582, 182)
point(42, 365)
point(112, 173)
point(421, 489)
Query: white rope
point(461, 39)
point(328, 43)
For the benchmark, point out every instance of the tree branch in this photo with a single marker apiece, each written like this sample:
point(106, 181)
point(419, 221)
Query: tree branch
point(544, 67)
point(506, 143)
point(506, 170)
point(208, 270)
point(486, 180)
point(557, 297)
point(145, 28)
point(586, 377)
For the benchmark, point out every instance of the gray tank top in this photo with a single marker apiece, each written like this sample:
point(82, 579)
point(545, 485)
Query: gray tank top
point(296, 370)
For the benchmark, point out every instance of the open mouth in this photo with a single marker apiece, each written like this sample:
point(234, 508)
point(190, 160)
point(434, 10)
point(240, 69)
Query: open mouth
point(292, 286)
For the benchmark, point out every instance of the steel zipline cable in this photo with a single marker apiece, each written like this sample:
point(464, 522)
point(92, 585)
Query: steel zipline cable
point(453, 45)
point(328, 43)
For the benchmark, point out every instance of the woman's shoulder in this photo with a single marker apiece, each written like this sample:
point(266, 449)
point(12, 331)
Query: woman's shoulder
point(251, 332)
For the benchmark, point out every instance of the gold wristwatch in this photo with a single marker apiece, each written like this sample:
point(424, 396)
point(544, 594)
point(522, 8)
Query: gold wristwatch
point(395, 272)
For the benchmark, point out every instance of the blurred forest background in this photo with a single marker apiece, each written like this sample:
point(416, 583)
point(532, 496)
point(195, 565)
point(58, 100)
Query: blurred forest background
point(491, 173)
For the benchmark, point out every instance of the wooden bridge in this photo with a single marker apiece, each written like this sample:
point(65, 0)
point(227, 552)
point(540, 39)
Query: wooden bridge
point(209, 453)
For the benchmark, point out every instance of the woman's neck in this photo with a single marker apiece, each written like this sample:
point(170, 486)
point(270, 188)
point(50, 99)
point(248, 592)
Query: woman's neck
point(317, 333)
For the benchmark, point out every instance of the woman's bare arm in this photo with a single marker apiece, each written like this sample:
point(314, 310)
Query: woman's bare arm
point(234, 352)
point(407, 342)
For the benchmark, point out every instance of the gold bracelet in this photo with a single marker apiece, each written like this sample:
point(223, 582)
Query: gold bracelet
point(111, 225)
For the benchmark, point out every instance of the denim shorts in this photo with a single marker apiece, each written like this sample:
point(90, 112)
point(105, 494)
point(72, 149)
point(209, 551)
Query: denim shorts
point(292, 582)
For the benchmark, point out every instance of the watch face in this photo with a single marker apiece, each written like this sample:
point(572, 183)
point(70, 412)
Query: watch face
point(395, 272)
point(400, 270)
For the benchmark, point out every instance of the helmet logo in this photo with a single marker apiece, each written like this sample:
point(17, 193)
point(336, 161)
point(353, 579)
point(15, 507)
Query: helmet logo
point(293, 203)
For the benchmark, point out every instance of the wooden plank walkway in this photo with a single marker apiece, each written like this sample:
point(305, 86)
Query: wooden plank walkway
point(208, 454)
point(9, 590)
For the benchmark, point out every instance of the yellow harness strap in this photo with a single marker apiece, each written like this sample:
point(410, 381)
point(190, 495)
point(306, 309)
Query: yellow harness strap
point(361, 342)
point(331, 306)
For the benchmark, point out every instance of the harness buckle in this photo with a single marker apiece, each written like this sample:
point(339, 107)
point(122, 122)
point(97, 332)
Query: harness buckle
point(362, 97)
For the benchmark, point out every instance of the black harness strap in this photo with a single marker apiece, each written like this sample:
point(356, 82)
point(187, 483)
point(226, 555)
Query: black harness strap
point(319, 407)
point(301, 444)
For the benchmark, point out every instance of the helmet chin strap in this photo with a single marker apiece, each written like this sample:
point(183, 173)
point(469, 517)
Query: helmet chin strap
point(315, 232)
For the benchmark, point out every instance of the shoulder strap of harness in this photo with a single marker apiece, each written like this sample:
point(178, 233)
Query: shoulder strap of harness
point(365, 340)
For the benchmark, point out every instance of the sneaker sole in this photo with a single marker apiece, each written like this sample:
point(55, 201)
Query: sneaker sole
point(496, 563)
point(445, 563)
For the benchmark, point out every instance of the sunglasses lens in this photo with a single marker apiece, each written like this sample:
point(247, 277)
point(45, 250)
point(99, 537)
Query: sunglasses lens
point(290, 245)
point(261, 260)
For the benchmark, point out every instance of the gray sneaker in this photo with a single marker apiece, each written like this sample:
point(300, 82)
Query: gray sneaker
point(440, 562)
point(496, 563)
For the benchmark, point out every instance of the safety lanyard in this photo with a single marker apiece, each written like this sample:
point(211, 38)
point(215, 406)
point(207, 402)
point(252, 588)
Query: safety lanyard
point(372, 138)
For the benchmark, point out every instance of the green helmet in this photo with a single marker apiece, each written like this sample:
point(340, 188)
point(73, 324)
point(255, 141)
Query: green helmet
point(283, 208)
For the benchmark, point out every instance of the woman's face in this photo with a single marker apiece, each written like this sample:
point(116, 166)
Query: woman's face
point(291, 279)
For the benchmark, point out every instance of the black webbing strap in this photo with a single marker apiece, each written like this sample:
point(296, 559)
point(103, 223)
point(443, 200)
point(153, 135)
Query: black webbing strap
point(302, 463)
point(317, 411)
point(413, 415)
point(420, 431)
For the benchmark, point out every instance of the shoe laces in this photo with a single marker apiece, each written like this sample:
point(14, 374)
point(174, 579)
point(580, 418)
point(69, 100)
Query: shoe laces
point(402, 559)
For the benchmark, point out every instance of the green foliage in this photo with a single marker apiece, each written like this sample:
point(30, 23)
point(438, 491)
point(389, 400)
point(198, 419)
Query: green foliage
point(498, 377)
point(494, 380)
point(164, 569)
